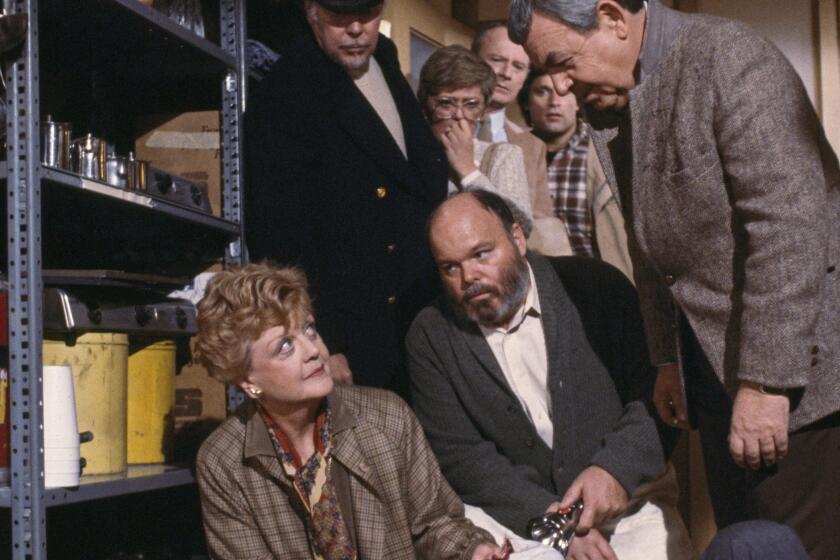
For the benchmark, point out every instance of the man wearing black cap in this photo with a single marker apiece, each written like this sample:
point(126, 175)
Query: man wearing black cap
point(341, 173)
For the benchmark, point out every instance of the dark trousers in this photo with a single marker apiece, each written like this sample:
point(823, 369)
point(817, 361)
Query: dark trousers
point(756, 540)
point(801, 491)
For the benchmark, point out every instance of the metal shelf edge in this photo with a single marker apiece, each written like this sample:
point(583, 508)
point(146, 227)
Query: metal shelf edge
point(162, 22)
point(71, 180)
point(138, 478)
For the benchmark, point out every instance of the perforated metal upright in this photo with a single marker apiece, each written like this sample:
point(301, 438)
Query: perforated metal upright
point(23, 189)
point(233, 105)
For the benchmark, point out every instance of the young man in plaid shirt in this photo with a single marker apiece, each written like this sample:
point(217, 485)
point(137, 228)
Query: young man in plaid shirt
point(577, 193)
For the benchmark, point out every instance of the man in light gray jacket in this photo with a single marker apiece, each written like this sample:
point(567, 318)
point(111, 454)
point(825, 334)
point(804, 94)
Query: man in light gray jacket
point(733, 196)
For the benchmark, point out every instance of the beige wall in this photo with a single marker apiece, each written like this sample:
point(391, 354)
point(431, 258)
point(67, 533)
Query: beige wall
point(788, 23)
point(828, 14)
point(429, 18)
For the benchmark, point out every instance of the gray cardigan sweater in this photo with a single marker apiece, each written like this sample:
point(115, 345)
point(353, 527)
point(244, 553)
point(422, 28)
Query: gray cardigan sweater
point(488, 449)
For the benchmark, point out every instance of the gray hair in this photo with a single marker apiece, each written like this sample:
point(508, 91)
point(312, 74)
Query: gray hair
point(580, 15)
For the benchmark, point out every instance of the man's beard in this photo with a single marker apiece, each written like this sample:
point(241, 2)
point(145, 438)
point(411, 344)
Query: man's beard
point(358, 63)
point(510, 296)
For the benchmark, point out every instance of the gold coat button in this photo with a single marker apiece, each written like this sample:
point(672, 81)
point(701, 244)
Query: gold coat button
point(391, 248)
point(392, 300)
point(381, 192)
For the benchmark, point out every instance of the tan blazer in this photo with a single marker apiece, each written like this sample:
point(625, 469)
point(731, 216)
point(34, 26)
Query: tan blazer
point(549, 236)
point(395, 498)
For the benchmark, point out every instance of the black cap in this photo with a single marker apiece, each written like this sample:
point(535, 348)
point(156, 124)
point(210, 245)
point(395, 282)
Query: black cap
point(349, 6)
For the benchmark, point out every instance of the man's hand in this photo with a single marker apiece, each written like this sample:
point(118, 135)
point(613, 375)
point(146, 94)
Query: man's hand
point(340, 370)
point(759, 429)
point(604, 498)
point(592, 546)
point(489, 552)
point(668, 396)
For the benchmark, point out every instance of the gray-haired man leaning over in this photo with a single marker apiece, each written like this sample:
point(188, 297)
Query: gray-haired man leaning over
point(732, 193)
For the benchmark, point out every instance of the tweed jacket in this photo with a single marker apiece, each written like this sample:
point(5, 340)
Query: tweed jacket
point(550, 237)
point(327, 187)
point(401, 506)
point(599, 378)
point(733, 196)
point(502, 171)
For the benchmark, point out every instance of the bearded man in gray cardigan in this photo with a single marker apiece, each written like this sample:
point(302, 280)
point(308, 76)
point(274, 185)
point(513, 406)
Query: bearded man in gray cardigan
point(732, 196)
point(532, 383)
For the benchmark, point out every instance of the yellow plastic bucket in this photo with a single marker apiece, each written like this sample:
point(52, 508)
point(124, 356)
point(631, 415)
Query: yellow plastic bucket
point(151, 396)
point(99, 362)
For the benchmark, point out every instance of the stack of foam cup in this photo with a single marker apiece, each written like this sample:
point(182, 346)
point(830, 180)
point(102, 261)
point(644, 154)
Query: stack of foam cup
point(61, 432)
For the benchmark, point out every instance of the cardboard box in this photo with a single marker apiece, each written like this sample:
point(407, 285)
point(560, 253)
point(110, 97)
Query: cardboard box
point(188, 145)
point(200, 406)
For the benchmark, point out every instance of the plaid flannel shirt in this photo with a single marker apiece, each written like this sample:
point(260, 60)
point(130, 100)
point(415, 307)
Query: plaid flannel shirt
point(567, 188)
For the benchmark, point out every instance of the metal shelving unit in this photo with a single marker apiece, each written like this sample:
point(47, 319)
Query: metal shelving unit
point(69, 180)
point(154, 63)
point(138, 478)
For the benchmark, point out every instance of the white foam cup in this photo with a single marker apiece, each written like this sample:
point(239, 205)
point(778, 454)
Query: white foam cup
point(61, 431)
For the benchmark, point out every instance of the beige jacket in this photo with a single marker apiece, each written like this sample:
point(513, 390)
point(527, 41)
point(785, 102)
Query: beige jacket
point(549, 235)
point(388, 483)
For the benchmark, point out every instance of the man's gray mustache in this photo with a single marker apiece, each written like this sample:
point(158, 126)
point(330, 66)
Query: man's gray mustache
point(478, 289)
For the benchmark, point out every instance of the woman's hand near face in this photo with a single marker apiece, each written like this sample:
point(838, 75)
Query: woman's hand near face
point(457, 140)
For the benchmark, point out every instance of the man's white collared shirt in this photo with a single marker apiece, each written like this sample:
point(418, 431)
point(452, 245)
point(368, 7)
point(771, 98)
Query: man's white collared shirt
point(521, 353)
point(497, 127)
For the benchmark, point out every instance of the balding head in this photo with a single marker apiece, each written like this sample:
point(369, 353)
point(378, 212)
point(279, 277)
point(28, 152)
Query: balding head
point(480, 260)
point(488, 200)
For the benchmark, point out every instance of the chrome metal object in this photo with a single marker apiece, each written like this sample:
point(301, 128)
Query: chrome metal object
point(556, 529)
point(118, 171)
point(55, 143)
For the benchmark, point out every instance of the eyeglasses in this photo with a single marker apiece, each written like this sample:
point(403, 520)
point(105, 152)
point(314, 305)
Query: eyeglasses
point(447, 107)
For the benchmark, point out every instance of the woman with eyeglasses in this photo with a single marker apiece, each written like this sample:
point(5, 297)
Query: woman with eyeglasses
point(455, 86)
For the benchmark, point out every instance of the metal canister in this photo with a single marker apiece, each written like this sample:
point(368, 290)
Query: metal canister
point(105, 151)
point(100, 377)
point(117, 171)
point(86, 156)
point(55, 145)
point(138, 170)
point(151, 396)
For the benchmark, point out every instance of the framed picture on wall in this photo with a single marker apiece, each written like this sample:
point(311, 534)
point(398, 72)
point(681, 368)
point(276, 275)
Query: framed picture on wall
point(420, 48)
